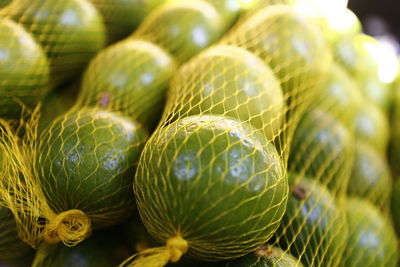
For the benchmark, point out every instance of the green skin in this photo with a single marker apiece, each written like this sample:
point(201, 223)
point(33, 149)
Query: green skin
point(24, 70)
point(322, 148)
point(339, 96)
point(122, 17)
point(228, 9)
point(334, 31)
point(372, 126)
point(289, 43)
point(3, 3)
point(395, 205)
point(394, 146)
point(86, 161)
point(370, 177)
point(266, 257)
point(131, 76)
point(11, 247)
point(103, 249)
point(230, 81)
point(313, 227)
point(352, 54)
point(215, 182)
point(70, 31)
point(371, 239)
point(182, 28)
point(56, 103)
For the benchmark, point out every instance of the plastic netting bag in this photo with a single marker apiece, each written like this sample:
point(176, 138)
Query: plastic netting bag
point(261, 137)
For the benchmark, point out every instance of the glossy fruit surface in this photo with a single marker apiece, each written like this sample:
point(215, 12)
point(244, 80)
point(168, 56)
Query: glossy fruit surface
point(24, 70)
point(213, 181)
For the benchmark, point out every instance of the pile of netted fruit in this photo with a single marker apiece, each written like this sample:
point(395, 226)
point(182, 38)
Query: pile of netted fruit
point(196, 133)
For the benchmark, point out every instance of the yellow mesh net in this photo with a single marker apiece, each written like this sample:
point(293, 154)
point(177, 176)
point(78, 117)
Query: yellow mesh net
point(261, 133)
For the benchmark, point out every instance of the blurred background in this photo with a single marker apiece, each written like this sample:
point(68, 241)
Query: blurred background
point(380, 18)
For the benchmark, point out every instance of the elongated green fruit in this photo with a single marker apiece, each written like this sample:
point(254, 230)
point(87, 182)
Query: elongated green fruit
point(230, 81)
point(314, 227)
point(183, 28)
point(211, 186)
point(70, 31)
point(24, 70)
point(131, 76)
point(87, 160)
point(372, 240)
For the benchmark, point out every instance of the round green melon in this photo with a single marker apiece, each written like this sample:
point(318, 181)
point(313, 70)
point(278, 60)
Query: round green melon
point(395, 205)
point(122, 17)
point(266, 256)
point(289, 43)
point(372, 239)
point(339, 96)
point(370, 177)
point(322, 148)
point(131, 76)
point(104, 249)
point(24, 70)
point(230, 81)
point(182, 28)
point(394, 146)
point(313, 228)
point(372, 126)
point(70, 31)
point(87, 160)
point(214, 182)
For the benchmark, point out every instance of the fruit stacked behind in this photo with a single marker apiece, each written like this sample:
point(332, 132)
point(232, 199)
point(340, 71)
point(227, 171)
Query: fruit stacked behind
point(261, 140)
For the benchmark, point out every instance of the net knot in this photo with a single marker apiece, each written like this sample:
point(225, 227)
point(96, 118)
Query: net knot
point(176, 246)
point(70, 227)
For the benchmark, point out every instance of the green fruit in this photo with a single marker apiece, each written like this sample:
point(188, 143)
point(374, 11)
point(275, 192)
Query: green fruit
point(11, 246)
point(87, 160)
point(322, 148)
point(289, 43)
point(394, 146)
point(103, 249)
point(230, 81)
point(339, 25)
point(266, 256)
point(339, 96)
point(371, 239)
point(370, 177)
point(372, 126)
point(131, 76)
point(376, 91)
point(228, 9)
point(313, 227)
point(24, 70)
point(182, 28)
point(122, 17)
point(395, 205)
point(356, 55)
point(214, 182)
point(3, 3)
point(138, 237)
point(70, 31)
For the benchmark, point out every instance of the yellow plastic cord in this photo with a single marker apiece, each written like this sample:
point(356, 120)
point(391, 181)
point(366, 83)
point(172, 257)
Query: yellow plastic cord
point(158, 257)
point(70, 227)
